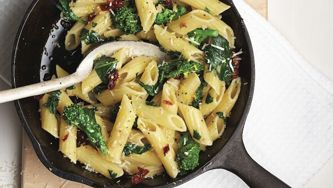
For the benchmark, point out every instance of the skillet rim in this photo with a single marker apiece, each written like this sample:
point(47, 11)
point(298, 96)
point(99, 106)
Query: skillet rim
point(78, 178)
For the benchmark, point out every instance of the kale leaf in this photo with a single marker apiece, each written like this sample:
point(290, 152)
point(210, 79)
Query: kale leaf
point(84, 119)
point(218, 55)
point(150, 89)
point(209, 99)
point(90, 37)
point(187, 154)
point(104, 66)
point(198, 95)
point(127, 20)
point(136, 149)
point(198, 36)
point(52, 101)
point(68, 14)
point(168, 15)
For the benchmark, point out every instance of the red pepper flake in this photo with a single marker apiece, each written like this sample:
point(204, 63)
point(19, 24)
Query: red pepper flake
point(182, 24)
point(91, 17)
point(65, 137)
point(139, 176)
point(112, 4)
point(166, 149)
point(167, 102)
point(113, 77)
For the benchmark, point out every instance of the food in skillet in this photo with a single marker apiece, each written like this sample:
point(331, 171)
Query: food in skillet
point(143, 115)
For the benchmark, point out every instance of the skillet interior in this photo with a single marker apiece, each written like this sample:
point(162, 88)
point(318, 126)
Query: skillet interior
point(39, 45)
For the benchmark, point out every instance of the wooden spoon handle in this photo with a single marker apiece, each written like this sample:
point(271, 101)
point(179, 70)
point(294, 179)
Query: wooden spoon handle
point(38, 88)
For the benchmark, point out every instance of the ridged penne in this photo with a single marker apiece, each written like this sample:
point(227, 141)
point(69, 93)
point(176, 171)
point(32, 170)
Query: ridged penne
point(157, 139)
point(131, 89)
point(171, 42)
point(92, 159)
point(159, 115)
point(121, 130)
point(195, 124)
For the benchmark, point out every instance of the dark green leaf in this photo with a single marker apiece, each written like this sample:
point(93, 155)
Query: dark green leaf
point(68, 14)
point(209, 99)
point(52, 101)
point(218, 55)
point(168, 15)
point(198, 95)
point(151, 90)
point(198, 36)
point(196, 135)
point(90, 37)
point(104, 66)
point(187, 154)
point(136, 149)
point(127, 20)
point(113, 175)
point(221, 115)
point(84, 119)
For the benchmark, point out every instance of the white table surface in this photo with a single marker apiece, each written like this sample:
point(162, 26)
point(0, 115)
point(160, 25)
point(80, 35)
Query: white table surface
point(10, 134)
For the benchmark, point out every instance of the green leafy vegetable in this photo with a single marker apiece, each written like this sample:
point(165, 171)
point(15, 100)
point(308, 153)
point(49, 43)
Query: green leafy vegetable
point(167, 15)
point(52, 101)
point(68, 14)
point(84, 119)
point(188, 153)
point(198, 36)
point(113, 174)
point(136, 149)
point(209, 99)
point(218, 55)
point(90, 37)
point(196, 135)
point(127, 20)
point(177, 68)
point(221, 115)
point(104, 66)
point(151, 89)
point(198, 95)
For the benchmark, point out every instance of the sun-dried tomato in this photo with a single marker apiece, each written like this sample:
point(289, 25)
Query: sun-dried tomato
point(139, 176)
point(166, 149)
point(113, 77)
point(235, 63)
point(112, 4)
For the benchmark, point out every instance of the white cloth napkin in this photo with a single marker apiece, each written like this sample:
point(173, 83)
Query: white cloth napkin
point(289, 129)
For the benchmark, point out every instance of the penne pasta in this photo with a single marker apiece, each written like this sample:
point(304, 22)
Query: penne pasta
point(72, 39)
point(147, 13)
point(92, 159)
point(48, 119)
point(157, 139)
point(121, 130)
point(159, 115)
point(131, 89)
point(171, 42)
point(187, 88)
point(195, 124)
point(150, 75)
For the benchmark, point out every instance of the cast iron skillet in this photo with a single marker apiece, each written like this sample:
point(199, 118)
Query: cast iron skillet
point(39, 45)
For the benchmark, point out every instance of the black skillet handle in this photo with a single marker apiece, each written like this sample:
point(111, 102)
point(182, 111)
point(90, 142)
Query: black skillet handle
point(238, 161)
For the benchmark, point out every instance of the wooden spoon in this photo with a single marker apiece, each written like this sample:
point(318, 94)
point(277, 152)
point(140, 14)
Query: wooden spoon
point(83, 71)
